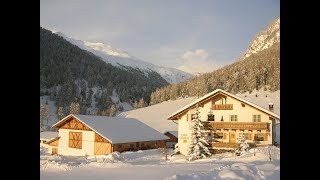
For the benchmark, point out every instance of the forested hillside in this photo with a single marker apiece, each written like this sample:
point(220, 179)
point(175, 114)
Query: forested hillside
point(258, 68)
point(69, 74)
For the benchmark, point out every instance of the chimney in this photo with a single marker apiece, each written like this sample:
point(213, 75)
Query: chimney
point(271, 107)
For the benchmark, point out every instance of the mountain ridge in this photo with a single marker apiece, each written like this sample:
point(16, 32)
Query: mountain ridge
point(120, 58)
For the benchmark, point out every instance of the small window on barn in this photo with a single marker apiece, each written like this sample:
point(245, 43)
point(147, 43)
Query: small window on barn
point(131, 145)
point(142, 144)
point(193, 116)
point(75, 140)
point(119, 146)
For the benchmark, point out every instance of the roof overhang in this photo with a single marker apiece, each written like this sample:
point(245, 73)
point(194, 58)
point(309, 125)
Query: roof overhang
point(51, 140)
point(64, 120)
point(205, 98)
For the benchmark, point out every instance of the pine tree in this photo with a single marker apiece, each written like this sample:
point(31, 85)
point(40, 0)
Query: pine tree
point(74, 108)
point(199, 140)
point(113, 110)
point(135, 105)
point(60, 113)
point(141, 103)
point(243, 145)
point(44, 114)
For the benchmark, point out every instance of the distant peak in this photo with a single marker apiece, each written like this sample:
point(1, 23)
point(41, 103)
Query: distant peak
point(264, 39)
point(106, 48)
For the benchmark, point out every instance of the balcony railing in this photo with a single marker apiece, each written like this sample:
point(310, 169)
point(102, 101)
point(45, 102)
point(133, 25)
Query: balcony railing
point(222, 106)
point(238, 125)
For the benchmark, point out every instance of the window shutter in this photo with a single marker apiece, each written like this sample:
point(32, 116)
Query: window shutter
point(249, 136)
point(266, 136)
point(224, 136)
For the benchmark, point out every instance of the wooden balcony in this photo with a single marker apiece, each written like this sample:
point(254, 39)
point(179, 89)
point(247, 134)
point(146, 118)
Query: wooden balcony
point(238, 125)
point(222, 106)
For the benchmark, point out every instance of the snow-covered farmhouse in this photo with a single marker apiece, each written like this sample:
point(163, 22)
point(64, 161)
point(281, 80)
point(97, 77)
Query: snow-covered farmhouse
point(227, 117)
point(93, 135)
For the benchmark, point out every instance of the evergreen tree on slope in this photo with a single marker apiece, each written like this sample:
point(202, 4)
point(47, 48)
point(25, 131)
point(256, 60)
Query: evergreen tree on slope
point(199, 141)
point(243, 145)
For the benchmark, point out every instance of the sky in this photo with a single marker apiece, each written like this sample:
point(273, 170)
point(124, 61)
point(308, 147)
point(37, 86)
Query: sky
point(190, 35)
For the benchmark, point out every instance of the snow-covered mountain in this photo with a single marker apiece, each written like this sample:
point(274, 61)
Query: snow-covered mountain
point(118, 57)
point(264, 39)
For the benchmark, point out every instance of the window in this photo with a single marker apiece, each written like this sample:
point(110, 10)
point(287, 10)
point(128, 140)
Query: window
point(75, 140)
point(256, 118)
point(193, 116)
point(260, 136)
point(142, 144)
point(210, 117)
point(119, 146)
point(131, 145)
point(233, 117)
point(246, 135)
point(218, 135)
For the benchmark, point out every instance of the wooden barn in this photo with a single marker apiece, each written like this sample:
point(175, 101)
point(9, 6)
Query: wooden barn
point(81, 135)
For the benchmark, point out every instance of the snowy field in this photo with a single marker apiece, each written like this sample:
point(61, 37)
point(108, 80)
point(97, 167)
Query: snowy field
point(150, 164)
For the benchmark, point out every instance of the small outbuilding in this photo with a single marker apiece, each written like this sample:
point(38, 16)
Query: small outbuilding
point(93, 135)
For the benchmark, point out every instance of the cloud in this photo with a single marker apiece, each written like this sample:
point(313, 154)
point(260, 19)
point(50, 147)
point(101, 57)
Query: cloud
point(197, 61)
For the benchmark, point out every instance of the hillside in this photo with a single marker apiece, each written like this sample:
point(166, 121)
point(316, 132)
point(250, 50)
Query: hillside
point(69, 74)
point(259, 69)
point(120, 58)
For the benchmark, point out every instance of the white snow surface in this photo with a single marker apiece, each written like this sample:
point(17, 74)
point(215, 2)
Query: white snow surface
point(119, 129)
point(151, 164)
point(118, 57)
point(47, 135)
point(156, 115)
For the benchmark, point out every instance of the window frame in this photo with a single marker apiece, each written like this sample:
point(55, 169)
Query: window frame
point(256, 118)
point(75, 139)
point(260, 136)
point(234, 118)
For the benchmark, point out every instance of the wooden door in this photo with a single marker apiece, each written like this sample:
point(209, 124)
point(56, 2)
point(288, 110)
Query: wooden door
point(232, 137)
point(54, 151)
point(102, 148)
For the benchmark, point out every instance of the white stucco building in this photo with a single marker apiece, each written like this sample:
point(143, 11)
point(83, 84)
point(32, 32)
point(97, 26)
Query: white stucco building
point(227, 116)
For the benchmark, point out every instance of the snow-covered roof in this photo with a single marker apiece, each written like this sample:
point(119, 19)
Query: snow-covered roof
point(47, 135)
point(117, 129)
point(156, 115)
point(224, 92)
point(175, 133)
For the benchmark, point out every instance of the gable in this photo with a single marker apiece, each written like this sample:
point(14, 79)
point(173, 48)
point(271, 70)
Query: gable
point(73, 123)
point(219, 101)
